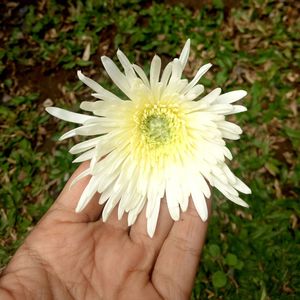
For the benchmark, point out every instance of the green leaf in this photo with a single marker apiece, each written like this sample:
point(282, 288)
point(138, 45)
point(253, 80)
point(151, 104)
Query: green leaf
point(214, 250)
point(239, 265)
point(218, 3)
point(231, 260)
point(83, 63)
point(219, 279)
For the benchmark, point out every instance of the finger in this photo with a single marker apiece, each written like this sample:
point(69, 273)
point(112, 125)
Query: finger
point(69, 197)
point(176, 266)
point(138, 232)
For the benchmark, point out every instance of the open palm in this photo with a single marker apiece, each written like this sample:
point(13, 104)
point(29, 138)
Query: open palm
point(77, 256)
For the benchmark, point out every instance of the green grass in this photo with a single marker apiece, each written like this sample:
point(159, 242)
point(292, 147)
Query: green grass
point(250, 253)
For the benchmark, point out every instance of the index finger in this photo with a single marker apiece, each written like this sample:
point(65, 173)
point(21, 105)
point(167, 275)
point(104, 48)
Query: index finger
point(177, 263)
point(69, 197)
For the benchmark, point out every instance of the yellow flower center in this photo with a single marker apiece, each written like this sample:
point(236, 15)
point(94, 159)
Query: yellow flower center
point(159, 133)
point(158, 124)
point(156, 129)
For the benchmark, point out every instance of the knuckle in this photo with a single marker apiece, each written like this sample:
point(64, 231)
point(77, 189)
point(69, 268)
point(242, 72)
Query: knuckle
point(184, 246)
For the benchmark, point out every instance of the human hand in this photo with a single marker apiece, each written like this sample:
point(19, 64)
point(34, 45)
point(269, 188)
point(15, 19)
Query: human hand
point(77, 256)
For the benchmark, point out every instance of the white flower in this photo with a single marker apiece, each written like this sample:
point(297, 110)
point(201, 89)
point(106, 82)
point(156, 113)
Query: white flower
point(162, 141)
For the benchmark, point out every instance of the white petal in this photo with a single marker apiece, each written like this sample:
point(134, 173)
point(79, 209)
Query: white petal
point(90, 83)
point(106, 182)
point(221, 109)
point(106, 194)
point(100, 91)
point(227, 153)
point(229, 135)
point(110, 205)
point(242, 187)
point(116, 75)
point(184, 55)
point(198, 76)
point(172, 198)
point(152, 220)
point(236, 200)
point(97, 154)
point(80, 176)
point(141, 74)
point(87, 194)
point(91, 129)
point(211, 97)
point(203, 185)
point(178, 86)
point(166, 74)
point(152, 195)
point(121, 212)
point(127, 66)
point(217, 171)
point(132, 215)
point(200, 203)
point(91, 106)
point(68, 116)
point(185, 197)
point(231, 97)
point(230, 127)
point(231, 177)
point(200, 118)
point(176, 70)
point(135, 199)
point(127, 197)
point(85, 156)
point(195, 92)
point(155, 70)
point(84, 146)
point(224, 188)
point(107, 96)
point(68, 134)
point(236, 109)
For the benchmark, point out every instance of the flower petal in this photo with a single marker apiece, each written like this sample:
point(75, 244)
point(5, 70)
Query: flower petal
point(101, 93)
point(127, 66)
point(90, 82)
point(236, 109)
point(66, 115)
point(116, 75)
point(199, 202)
point(166, 75)
point(197, 77)
point(195, 92)
point(141, 74)
point(87, 194)
point(84, 146)
point(152, 220)
point(211, 97)
point(155, 71)
point(231, 97)
point(184, 55)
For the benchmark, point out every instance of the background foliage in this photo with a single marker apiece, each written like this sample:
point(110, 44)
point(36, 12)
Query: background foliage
point(254, 45)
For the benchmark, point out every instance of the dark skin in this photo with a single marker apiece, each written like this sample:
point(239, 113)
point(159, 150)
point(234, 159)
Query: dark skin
point(77, 256)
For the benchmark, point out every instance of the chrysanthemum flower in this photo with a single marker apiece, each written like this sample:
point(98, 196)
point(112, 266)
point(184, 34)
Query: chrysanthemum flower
point(162, 140)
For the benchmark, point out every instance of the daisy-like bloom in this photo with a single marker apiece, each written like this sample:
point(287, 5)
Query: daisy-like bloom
point(162, 140)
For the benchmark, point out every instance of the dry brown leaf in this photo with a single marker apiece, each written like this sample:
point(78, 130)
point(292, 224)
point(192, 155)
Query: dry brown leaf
point(278, 191)
point(87, 52)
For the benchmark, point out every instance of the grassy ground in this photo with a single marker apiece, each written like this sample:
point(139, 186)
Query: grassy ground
point(250, 254)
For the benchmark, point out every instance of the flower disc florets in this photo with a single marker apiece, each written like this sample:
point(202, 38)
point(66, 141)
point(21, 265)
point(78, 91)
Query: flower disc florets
point(163, 142)
point(159, 124)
